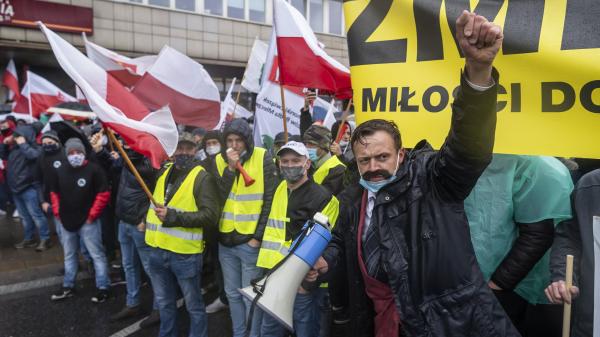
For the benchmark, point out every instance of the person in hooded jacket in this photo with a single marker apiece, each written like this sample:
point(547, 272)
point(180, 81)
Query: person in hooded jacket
point(21, 152)
point(244, 217)
point(6, 129)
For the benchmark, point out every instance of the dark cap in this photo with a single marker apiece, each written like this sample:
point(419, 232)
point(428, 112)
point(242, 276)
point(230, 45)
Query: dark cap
point(318, 135)
point(51, 134)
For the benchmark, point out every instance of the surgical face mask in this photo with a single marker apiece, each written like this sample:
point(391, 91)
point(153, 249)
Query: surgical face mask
point(76, 159)
point(212, 150)
point(343, 143)
point(292, 174)
point(183, 160)
point(375, 186)
point(312, 155)
point(49, 148)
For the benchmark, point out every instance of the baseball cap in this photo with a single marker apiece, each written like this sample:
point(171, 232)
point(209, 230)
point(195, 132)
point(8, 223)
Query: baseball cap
point(297, 147)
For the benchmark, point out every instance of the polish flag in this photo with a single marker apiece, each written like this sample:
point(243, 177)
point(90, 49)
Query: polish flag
point(126, 70)
point(79, 95)
point(11, 80)
point(38, 95)
point(185, 86)
point(151, 133)
point(302, 61)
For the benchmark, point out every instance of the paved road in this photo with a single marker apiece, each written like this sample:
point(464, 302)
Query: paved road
point(31, 313)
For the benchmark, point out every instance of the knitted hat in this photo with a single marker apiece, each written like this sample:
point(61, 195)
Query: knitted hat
point(74, 144)
point(51, 134)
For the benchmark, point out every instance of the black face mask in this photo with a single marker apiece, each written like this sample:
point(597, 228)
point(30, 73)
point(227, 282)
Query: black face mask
point(50, 148)
point(183, 161)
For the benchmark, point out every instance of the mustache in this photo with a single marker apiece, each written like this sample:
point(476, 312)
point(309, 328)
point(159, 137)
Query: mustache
point(377, 173)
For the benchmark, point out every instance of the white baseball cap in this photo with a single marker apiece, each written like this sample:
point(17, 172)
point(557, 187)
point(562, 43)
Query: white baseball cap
point(297, 147)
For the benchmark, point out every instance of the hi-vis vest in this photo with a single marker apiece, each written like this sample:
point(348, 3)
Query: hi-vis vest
point(322, 172)
point(274, 246)
point(244, 204)
point(175, 239)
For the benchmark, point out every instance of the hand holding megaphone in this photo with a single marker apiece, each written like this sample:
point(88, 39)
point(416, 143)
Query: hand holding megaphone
point(233, 159)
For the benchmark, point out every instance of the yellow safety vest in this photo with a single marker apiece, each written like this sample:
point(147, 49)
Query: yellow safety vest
point(322, 172)
point(175, 239)
point(274, 246)
point(244, 203)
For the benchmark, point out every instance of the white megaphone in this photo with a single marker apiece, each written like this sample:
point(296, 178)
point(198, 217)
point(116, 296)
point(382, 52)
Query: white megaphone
point(279, 288)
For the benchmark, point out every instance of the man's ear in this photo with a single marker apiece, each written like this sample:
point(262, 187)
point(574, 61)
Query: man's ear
point(401, 156)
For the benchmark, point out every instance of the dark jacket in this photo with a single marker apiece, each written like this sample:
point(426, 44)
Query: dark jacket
point(21, 160)
point(425, 241)
point(241, 128)
point(576, 237)
point(47, 166)
point(132, 202)
point(207, 198)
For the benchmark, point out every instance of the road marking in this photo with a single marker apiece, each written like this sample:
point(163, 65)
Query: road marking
point(35, 284)
point(135, 327)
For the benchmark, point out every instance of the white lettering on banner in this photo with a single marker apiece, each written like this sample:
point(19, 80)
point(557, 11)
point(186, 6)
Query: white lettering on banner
point(6, 11)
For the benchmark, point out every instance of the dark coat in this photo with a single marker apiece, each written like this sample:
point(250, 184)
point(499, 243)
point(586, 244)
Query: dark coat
point(22, 160)
point(425, 240)
point(132, 202)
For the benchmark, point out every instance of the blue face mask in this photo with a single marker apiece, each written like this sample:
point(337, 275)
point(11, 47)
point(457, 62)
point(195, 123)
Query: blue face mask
point(375, 186)
point(313, 156)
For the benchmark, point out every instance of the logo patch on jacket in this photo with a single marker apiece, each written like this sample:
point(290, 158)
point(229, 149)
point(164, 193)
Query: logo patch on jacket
point(81, 182)
point(56, 164)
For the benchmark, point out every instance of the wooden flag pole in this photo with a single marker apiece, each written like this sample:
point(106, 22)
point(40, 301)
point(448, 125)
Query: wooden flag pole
point(283, 110)
point(110, 143)
point(343, 123)
point(138, 177)
point(567, 307)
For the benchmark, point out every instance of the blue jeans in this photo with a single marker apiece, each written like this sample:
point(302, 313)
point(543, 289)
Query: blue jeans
point(306, 322)
point(60, 229)
point(92, 238)
point(30, 211)
point(133, 251)
point(239, 268)
point(167, 270)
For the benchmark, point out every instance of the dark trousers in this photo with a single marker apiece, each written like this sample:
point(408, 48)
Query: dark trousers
point(540, 320)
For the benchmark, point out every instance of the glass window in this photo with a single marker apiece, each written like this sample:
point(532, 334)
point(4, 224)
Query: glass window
point(186, 5)
point(164, 3)
point(257, 10)
point(299, 4)
point(138, 1)
point(214, 7)
point(316, 15)
point(335, 17)
point(235, 9)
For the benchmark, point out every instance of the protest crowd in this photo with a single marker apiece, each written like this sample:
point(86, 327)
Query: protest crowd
point(450, 242)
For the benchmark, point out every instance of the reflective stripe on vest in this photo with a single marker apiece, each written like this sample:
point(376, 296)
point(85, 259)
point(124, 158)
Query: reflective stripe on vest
point(175, 239)
point(244, 204)
point(274, 246)
point(322, 172)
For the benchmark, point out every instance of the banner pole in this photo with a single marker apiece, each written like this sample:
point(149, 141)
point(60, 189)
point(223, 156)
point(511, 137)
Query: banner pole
point(343, 123)
point(283, 110)
point(138, 177)
point(567, 307)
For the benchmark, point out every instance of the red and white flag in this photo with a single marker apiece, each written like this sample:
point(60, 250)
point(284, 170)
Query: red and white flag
point(126, 70)
point(80, 96)
point(151, 133)
point(38, 95)
point(302, 61)
point(185, 86)
point(10, 79)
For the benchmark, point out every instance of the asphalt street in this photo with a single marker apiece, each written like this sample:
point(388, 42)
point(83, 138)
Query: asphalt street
point(31, 313)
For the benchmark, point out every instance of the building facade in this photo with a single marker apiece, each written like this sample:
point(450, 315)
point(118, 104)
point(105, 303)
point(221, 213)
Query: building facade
point(217, 33)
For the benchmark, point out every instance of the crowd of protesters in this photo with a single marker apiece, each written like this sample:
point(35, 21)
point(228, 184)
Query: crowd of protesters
point(455, 242)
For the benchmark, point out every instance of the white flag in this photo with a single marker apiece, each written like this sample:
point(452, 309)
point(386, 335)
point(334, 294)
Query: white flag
point(256, 62)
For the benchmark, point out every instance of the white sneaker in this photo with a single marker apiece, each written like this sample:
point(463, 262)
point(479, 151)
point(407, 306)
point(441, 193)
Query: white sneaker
point(15, 214)
point(216, 306)
point(2, 213)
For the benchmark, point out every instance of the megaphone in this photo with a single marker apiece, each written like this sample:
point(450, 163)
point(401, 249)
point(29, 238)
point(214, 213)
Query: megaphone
point(277, 291)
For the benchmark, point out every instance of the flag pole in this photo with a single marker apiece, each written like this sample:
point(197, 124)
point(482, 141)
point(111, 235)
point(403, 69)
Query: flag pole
point(138, 177)
point(283, 110)
point(343, 123)
point(567, 306)
point(110, 143)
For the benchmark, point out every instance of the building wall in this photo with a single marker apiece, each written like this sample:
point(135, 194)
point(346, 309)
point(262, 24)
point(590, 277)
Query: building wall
point(135, 29)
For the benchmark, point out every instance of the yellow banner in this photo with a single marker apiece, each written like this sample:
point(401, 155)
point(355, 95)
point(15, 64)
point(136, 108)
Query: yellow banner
point(405, 64)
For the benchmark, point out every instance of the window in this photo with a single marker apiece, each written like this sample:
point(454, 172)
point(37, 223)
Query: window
point(257, 10)
point(214, 7)
point(186, 5)
point(235, 9)
point(164, 3)
point(300, 6)
point(335, 17)
point(316, 15)
point(138, 1)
